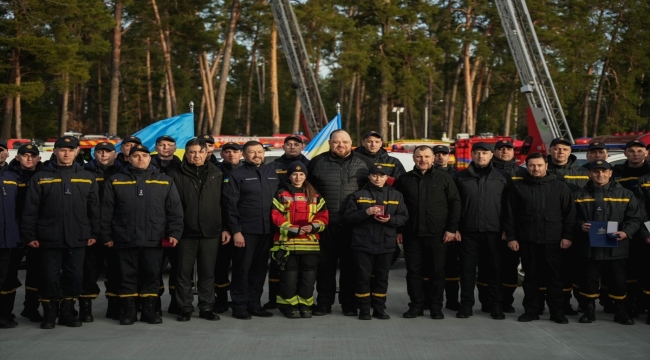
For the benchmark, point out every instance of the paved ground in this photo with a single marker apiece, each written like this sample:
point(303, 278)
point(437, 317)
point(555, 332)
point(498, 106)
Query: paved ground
point(332, 337)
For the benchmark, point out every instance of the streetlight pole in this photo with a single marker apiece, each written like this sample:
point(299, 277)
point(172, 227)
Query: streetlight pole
point(392, 131)
point(397, 110)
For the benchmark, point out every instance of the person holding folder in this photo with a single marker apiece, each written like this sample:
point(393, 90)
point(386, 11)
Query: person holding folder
point(600, 202)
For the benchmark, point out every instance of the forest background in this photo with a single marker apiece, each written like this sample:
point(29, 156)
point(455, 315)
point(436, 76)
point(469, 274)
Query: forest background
point(113, 67)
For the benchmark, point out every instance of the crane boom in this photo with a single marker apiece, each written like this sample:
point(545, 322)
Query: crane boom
point(535, 77)
point(301, 72)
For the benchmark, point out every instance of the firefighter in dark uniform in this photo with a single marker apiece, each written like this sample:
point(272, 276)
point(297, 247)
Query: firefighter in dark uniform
point(604, 199)
point(4, 153)
point(644, 270)
point(371, 147)
point(483, 190)
point(628, 174)
point(140, 207)
point(209, 143)
point(452, 273)
point(539, 223)
point(125, 148)
point(375, 212)
point(595, 151)
point(9, 236)
point(165, 159)
point(248, 200)
point(433, 204)
point(231, 158)
point(103, 166)
point(61, 216)
point(24, 166)
point(293, 146)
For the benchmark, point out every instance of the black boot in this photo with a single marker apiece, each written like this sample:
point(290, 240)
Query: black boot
point(127, 311)
point(148, 314)
point(66, 314)
point(86, 310)
point(113, 308)
point(221, 301)
point(158, 305)
point(589, 316)
point(49, 314)
point(7, 306)
point(30, 310)
point(621, 316)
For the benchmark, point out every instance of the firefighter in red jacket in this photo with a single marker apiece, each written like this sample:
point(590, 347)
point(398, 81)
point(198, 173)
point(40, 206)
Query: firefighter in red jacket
point(300, 213)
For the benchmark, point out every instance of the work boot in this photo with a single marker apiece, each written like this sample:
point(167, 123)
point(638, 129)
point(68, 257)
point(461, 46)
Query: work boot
point(49, 314)
point(436, 314)
point(7, 323)
point(128, 314)
point(497, 312)
point(305, 311)
point(464, 312)
point(365, 315)
point(589, 316)
point(621, 316)
point(379, 314)
point(527, 317)
point(321, 310)
point(7, 306)
point(31, 303)
point(221, 301)
point(173, 306)
point(558, 317)
point(158, 305)
point(66, 314)
point(290, 312)
point(149, 314)
point(86, 310)
point(411, 313)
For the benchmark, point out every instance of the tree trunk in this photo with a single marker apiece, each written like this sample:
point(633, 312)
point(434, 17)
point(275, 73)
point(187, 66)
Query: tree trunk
point(599, 98)
point(168, 100)
point(479, 91)
point(17, 107)
point(585, 103)
point(357, 107)
point(296, 116)
point(275, 105)
point(506, 123)
point(100, 109)
point(348, 116)
point(64, 104)
point(168, 59)
point(206, 103)
point(249, 90)
point(225, 67)
point(451, 104)
point(115, 69)
point(467, 72)
point(152, 116)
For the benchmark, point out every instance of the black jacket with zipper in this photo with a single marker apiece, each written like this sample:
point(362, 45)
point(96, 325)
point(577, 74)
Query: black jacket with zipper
point(199, 188)
point(570, 173)
point(540, 210)
point(369, 235)
point(432, 200)
point(381, 157)
point(61, 207)
point(282, 163)
point(140, 207)
point(483, 195)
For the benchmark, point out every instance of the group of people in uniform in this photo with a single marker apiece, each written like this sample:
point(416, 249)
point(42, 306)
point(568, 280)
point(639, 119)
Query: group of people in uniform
point(127, 215)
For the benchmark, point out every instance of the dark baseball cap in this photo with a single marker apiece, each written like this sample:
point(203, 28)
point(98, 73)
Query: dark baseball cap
point(600, 164)
point(140, 148)
point(637, 142)
point(294, 138)
point(105, 145)
point(372, 133)
point(165, 138)
point(28, 149)
point(482, 146)
point(207, 138)
point(596, 145)
point(231, 145)
point(441, 149)
point(561, 140)
point(67, 142)
point(132, 139)
point(378, 169)
point(4, 146)
point(503, 143)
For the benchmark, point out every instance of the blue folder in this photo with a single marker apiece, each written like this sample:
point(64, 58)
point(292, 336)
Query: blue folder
point(600, 233)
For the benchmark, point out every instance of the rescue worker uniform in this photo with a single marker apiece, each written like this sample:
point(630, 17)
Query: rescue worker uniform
point(99, 258)
point(293, 209)
point(433, 203)
point(199, 188)
point(540, 213)
point(373, 243)
point(129, 139)
point(34, 258)
point(336, 179)
point(9, 236)
point(281, 166)
point(644, 278)
point(224, 255)
point(139, 209)
point(61, 212)
point(483, 194)
point(629, 178)
point(247, 203)
point(611, 202)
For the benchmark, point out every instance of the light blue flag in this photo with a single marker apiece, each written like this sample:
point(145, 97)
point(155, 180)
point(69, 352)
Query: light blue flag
point(180, 127)
point(320, 143)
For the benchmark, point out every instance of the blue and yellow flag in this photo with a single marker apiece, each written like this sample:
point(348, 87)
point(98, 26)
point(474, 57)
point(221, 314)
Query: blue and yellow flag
point(180, 127)
point(320, 143)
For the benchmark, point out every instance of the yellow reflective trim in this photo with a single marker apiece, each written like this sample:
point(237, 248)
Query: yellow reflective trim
point(391, 202)
point(321, 202)
point(41, 182)
point(645, 185)
point(226, 180)
point(274, 280)
point(222, 285)
point(86, 181)
point(647, 292)
point(481, 284)
point(127, 295)
point(510, 285)
point(567, 289)
point(628, 178)
point(7, 182)
point(291, 301)
point(8, 292)
point(362, 295)
point(280, 171)
point(378, 295)
point(617, 297)
point(110, 294)
point(517, 178)
point(31, 288)
point(617, 199)
point(543, 289)
point(452, 279)
point(159, 182)
point(92, 296)
point(591, 296)
point(115, 182)
point(366, 201)
point(308, 302)
point(148, 295)
point(576, 177)
point(386, 165)
point(99, 179)
point(584, 200)
point(278, 204)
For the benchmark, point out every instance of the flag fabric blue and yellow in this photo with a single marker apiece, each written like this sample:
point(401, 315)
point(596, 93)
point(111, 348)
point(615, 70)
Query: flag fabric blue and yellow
point(180, 127)
point(320, 143)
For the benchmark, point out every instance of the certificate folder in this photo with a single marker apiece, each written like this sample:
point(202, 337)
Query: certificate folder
point(601, 234)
